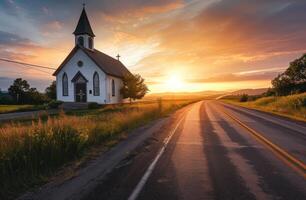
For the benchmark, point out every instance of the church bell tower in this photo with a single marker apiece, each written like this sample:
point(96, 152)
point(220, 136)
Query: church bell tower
point(84, 35)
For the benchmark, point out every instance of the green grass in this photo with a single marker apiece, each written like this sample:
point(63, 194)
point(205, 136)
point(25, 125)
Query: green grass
point(18, 108)
point(293, 106)
point(30, 153)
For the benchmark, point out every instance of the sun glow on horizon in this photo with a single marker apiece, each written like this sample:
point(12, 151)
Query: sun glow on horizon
point(175, 83)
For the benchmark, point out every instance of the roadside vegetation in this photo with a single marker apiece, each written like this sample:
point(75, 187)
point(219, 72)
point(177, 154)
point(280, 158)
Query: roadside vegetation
point(287, 96)
point(292, 106)
point(22, 97)
point(32, 152)
point(18, 108)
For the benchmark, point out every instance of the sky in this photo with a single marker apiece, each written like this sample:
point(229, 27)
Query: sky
point(176, 45)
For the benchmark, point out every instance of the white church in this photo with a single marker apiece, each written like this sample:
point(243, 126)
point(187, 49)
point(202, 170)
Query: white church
point(88, 75)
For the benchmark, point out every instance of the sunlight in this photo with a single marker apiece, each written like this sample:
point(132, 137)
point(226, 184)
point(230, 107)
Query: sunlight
point(174, 83)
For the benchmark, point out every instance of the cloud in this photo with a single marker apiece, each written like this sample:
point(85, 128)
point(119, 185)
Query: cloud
point(234, 78)
point(211, 39)
point(12, 39)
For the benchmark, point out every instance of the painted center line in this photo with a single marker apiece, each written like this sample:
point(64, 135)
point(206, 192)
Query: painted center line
point(150, 169)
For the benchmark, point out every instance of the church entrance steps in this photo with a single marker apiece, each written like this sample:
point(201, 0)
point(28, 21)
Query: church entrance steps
point(74, 105)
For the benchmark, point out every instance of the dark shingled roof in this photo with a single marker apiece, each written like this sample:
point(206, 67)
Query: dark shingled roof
point(83, 26)
point(106, 63)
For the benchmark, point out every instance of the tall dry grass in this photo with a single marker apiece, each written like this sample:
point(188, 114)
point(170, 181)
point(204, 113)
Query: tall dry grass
point(293, 106)
point(28, 153)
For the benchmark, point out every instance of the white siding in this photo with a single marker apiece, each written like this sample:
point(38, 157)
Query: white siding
point(88, 69)
point(86, 42)
point(118, 85)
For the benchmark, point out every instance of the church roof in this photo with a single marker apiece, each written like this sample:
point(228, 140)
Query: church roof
point(106, 63)
point(83, 26)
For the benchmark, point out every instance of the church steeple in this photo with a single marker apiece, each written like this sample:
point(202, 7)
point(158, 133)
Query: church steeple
point(83, 33)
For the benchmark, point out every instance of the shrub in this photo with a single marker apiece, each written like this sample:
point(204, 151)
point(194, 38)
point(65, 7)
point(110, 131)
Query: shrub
point(6, 99)
point(244, 98)
point(93, 105)
point(54, 104)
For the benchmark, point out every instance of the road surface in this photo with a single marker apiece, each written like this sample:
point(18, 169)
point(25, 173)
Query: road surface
point(212, 152)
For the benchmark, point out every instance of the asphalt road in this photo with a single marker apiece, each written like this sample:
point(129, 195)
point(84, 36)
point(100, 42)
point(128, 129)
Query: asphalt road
point(208, 155)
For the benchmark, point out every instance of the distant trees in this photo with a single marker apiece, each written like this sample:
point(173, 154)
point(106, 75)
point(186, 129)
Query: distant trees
point(22, 93)
point(292, 81)
point(244, 98)
point(133, 87)
point(51, 91)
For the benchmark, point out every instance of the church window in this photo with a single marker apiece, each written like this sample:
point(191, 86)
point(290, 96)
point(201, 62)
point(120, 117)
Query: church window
point(65, 84)
point(80, 63)
point(90, 43)
point(96, 84)
point(113, 88)
point(81, 41)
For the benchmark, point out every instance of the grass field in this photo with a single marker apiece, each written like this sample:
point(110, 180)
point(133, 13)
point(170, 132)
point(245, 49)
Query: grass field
point(17, 108)
point(29, 153)
point(293, 106)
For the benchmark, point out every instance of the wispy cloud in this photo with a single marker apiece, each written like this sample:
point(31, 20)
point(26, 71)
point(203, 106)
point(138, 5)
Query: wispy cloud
point(206, 41)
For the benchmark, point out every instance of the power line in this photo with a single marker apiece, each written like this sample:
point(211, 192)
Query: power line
point(38, 70)
point(27, 64)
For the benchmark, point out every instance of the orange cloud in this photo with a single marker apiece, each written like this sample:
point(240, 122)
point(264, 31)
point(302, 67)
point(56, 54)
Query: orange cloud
point(206, 41)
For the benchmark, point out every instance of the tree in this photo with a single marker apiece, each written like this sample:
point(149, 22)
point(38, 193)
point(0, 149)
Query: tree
point(282, 85)
point(34, 97)
point(297, 70)
point(244, 98)
point(133, 87)
point(51, 90)
point(19, 89)
point(269, 92)
point(22, 93)
point(293, 80)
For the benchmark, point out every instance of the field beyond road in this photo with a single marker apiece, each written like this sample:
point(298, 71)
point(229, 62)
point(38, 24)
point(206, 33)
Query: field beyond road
point(17, 108)
point(32, 152)
point(292, 106)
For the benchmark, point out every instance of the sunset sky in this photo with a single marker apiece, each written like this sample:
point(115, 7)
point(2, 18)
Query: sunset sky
point(175, 45)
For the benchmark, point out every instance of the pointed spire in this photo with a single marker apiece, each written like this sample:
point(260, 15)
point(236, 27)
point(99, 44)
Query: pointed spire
point(83, 26)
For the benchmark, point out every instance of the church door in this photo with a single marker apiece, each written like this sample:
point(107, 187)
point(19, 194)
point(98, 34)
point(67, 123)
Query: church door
point(80, 92)
point(80, 88)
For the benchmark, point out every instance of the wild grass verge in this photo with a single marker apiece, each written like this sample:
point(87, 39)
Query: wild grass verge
point(29, 153)
point(19, 108)
point(292, 106)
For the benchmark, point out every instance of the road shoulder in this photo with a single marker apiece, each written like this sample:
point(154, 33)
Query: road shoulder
point(87, 178)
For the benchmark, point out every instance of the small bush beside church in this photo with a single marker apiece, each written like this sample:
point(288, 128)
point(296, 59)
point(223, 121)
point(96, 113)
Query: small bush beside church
point(93, 105)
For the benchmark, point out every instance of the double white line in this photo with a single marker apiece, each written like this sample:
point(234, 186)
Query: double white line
point(150, 169)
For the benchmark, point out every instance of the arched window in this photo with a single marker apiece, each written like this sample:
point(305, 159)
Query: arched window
point(90, 43)
point(65, 84)
point(81, 41)
point(113, 88)
point(96, 84)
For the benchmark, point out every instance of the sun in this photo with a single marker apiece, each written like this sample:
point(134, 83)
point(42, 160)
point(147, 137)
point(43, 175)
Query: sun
point(174, 82)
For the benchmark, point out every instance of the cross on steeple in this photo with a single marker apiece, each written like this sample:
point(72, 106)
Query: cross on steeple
point(118, 57)
point(84, 4)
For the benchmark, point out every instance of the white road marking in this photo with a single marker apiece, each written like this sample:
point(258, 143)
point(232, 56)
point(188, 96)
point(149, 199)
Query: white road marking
point(150, 169)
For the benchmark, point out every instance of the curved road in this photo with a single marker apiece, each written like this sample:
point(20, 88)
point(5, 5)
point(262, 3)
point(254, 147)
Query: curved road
point(208, 155)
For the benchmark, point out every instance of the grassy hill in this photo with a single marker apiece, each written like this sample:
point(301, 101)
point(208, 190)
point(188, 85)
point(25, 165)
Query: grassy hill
point(258, 91)
point(293, 106)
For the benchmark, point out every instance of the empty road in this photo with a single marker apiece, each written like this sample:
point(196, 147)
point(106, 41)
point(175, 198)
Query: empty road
point(211, 151)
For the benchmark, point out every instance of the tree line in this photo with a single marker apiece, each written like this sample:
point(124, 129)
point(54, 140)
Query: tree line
point(20, 92)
